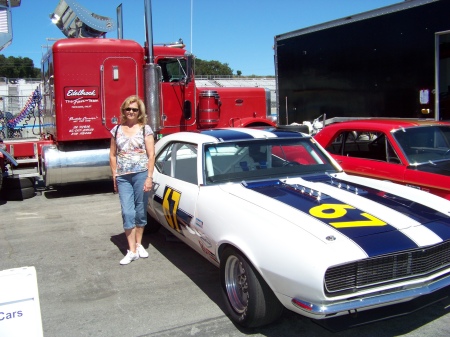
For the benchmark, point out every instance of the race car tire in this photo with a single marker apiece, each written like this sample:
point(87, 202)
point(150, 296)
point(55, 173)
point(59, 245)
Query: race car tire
point(249, 300)
point(18, 194)
point(152, 226)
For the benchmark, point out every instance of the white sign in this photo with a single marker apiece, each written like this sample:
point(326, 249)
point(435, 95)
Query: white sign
point(424, 96)
point(20, 312)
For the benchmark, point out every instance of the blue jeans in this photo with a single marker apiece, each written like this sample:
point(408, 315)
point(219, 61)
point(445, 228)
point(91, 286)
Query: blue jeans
point(133, 199)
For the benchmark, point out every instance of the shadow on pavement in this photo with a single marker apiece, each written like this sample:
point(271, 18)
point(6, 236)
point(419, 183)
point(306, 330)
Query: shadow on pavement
point(206, 277)
point(198, 269)
point(120, 240)
point(80, 189)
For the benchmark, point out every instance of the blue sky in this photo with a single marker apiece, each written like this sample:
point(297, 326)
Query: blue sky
point(238, 32)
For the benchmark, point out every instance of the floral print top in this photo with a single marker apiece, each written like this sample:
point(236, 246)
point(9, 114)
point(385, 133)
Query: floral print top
point(131, 154)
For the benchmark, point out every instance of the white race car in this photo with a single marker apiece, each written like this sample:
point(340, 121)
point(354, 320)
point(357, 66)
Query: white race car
point(288, 228)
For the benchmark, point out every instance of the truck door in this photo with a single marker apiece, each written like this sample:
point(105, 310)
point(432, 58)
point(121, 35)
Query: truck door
point(120, 78)
point(176, 96)
point(443, 75)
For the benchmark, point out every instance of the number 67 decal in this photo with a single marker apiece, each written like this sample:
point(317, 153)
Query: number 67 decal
point(170, 206)
point(336, 211)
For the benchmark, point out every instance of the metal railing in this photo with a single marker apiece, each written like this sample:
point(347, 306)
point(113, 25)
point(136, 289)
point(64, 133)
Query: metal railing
point(20, 107)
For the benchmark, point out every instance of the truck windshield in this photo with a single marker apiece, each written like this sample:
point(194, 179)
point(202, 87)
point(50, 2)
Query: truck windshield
point(263, 159)
point(424, 143)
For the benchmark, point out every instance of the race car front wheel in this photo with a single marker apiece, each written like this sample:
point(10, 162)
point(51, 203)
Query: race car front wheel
point(249, 300)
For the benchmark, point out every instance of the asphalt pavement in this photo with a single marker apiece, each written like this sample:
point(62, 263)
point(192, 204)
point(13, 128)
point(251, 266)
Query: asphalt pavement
point(73, 237)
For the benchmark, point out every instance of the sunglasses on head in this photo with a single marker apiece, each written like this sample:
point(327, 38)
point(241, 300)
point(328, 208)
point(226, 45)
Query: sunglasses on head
point(132, 109)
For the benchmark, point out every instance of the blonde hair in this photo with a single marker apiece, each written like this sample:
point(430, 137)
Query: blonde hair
point(142, 116)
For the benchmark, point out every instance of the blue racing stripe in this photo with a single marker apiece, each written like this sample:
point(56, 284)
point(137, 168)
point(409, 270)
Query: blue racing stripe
point(227, 134)
point(428, 217)
point(231, 134)
point(385, 243)
point(440, 228)
point(373, 239)
point(287, 134)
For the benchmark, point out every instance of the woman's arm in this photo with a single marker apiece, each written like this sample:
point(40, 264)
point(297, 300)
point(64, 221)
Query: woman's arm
point(150, 149)
point(113, 160)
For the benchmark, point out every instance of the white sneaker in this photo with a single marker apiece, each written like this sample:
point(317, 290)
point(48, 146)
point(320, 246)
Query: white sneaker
point(140, 250)
point(129, 257)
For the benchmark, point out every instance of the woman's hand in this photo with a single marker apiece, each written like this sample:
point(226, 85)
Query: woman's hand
point(148, 184)
point(115, 183)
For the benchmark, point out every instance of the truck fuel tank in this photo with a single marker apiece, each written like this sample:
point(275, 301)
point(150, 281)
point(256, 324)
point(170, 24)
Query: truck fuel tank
point(74, 166)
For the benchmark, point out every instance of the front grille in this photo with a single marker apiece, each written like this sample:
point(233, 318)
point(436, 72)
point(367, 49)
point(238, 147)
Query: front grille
point(354, 276)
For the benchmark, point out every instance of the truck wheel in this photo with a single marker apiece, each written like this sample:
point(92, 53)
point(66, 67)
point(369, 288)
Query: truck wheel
point(15, 189)
point(152, 225)
point(249, 300)
point(16, 183)
point(18, 194)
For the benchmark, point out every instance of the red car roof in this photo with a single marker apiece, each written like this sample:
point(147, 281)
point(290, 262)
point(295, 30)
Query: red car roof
point(384, 124)
point(391, 163)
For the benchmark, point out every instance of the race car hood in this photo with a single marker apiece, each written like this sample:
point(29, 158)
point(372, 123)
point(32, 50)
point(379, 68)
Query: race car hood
point(379, 221)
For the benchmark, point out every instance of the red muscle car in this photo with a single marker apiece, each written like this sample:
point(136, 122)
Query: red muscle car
point(415, 153)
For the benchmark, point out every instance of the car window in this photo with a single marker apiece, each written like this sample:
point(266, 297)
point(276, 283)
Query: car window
point(178, 160)
point(364, 144)
point(271, 158)
point(173, 69)
point(424, 143)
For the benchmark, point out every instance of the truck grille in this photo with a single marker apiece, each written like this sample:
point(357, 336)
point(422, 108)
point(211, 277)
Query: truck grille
point(351, 277)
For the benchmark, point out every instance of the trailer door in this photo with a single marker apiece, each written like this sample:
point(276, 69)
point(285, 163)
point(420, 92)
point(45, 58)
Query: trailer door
point(442, 76)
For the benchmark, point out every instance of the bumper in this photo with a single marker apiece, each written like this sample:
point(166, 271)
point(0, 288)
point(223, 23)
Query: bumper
point(400, 295)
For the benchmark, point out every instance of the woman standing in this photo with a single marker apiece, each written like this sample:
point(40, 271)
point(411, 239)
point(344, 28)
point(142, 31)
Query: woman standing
point(132, 160)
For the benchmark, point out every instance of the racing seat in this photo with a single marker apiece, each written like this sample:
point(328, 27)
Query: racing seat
point(247, 165)
point(258, 156)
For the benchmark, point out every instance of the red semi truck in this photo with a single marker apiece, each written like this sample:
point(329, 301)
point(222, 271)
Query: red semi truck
point(84, 82)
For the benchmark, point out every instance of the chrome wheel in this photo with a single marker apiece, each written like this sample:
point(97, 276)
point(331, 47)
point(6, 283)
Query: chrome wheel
point(249, 300)
point(236, 284)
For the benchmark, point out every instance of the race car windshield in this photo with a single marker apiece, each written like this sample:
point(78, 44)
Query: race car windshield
point(425, 143)
point(263, 159)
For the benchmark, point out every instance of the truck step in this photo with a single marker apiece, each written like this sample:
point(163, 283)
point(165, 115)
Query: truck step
point(26, 172)
point(27, 161)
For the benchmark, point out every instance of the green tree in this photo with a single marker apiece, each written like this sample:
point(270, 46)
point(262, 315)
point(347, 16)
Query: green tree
point(238, 72)
point(18, 67)
point(212, 68)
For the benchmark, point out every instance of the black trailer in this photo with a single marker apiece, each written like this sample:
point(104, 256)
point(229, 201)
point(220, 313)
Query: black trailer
point(389, 62)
